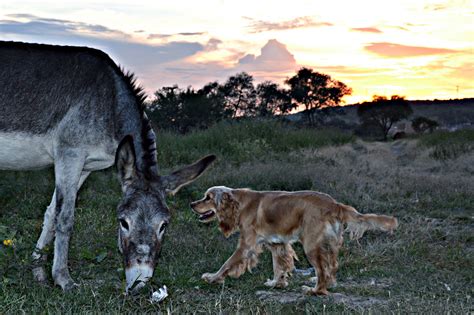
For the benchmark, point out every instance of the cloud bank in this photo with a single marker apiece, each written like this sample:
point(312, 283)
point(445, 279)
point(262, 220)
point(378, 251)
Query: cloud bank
point(258, 26)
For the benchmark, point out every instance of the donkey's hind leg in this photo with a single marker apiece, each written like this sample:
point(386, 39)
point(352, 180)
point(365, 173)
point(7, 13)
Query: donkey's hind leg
point(47, 234)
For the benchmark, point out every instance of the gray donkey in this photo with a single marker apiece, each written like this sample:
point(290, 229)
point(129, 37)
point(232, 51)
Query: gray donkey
point(74, 108)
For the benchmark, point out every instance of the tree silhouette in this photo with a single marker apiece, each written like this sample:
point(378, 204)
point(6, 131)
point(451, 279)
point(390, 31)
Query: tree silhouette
point(315, 90)
point(240, 95)
point(183, 110)
point(165, 109)
point(272, 100)
point(383, 112)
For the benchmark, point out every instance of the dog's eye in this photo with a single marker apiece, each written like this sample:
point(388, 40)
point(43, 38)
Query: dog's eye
point(124, 224)
point(207, 197)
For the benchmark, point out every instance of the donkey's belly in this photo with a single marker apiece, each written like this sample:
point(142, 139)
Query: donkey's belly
point(21, 151)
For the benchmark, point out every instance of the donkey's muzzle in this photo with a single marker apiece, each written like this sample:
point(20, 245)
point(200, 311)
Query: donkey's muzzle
point(136, 276)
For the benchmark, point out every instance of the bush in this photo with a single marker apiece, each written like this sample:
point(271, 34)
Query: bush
point(422, 124)
point(449, 145)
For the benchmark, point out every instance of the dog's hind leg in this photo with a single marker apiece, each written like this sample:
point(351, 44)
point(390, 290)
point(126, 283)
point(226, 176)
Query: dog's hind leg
point(319, 257)
point(333, 255)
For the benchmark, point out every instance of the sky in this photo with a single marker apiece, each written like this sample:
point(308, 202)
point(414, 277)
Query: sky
point(415, 48)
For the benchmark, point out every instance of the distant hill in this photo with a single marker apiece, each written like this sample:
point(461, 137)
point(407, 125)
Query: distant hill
point(450, 114)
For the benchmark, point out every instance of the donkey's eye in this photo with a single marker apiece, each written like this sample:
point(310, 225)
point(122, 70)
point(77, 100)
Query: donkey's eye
point(124, 224)
point(163, 227)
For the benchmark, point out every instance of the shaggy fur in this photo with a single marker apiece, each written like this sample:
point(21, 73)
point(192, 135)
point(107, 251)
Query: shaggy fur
point(276, 219)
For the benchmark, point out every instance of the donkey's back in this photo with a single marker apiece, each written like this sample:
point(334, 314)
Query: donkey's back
point(54, 95)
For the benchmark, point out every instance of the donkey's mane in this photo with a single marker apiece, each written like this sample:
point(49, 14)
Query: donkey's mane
point(147, 133)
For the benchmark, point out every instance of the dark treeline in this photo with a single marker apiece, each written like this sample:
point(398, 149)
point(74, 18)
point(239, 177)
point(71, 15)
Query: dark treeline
point(182, 110)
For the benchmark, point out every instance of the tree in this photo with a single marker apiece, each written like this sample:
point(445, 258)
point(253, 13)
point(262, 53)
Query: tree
point(422, 124)
point(383, 112)
point(315, 90)
point(165, 109)
point(272, 100)
point(182, 110)
point(240, 95)
point(212, 91)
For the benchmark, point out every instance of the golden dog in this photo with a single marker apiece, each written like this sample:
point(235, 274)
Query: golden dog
point(279, 218)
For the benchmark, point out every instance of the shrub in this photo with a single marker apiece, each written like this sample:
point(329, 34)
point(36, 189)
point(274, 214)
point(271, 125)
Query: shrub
point(422, 124)
point(449, 145)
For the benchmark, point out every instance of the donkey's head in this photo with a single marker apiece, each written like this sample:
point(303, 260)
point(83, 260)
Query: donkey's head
point(143, 214)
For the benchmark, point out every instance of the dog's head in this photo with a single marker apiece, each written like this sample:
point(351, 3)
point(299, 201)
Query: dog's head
point(219, 203)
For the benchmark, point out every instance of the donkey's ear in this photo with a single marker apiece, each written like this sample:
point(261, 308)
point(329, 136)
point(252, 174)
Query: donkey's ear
point(173, 182)
point(125, 161)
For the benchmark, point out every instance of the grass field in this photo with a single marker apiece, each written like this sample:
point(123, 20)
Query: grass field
point(426, 266)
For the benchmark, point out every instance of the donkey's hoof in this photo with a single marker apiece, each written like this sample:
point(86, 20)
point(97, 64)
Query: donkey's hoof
point(68, 285)
point(62, 279)
point(40, 275)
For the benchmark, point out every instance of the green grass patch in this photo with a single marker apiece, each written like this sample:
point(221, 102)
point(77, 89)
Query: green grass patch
point(244, 141)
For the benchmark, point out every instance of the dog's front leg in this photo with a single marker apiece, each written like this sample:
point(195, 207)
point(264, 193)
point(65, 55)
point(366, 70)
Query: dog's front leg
point(234, 266)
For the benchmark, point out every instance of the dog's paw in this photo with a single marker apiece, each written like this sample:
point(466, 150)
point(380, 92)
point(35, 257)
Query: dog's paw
point(313, 279)
point(281, 284)
point(308, 290)
point(314, 291)
point(276, 284)
point(211, 278)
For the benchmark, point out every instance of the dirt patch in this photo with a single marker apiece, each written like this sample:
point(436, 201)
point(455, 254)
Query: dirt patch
point(351, 301)
point(356, 302)
point(378, 283)
point(281, 296)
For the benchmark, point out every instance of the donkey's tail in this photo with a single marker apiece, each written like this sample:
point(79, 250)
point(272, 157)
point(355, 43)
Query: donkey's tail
point(358, 223)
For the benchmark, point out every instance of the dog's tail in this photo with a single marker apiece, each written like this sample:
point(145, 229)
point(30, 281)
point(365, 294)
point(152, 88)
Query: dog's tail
point(358, 223)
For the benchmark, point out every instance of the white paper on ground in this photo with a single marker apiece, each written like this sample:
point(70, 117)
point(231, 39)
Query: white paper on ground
point(159, 295)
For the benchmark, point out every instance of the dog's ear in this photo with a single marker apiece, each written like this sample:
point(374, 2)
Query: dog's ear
point(229, 213)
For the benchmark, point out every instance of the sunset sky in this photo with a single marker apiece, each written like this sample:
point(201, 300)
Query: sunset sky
point(416, 48)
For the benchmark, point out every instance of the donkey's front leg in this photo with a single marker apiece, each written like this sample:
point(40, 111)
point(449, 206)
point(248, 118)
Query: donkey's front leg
point(68, 173)
point(47, 234)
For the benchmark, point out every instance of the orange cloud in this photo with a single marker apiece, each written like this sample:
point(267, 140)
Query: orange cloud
point(366, 29)
point(400, 51)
